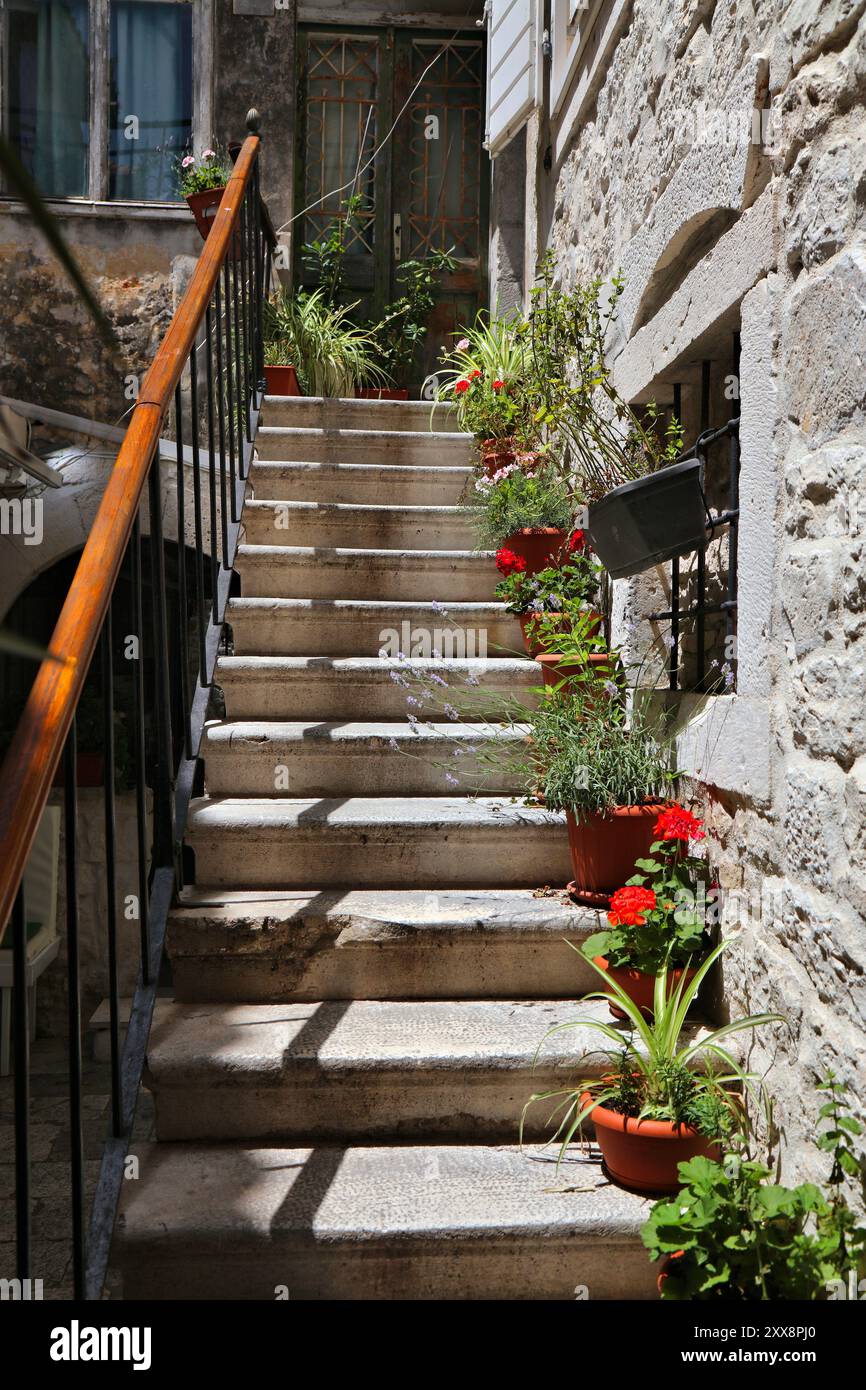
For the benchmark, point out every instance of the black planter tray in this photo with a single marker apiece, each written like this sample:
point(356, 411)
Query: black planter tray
point(643, 523)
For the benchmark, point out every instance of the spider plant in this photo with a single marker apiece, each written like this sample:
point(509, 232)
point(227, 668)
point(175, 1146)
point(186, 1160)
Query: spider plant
point(333, 355)
point(649, 1073)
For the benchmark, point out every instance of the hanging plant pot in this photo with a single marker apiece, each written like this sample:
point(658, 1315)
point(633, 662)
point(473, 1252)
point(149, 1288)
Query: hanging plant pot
point(204, 208)
point(381, 393)
point(639, 986)
point(539, 546)
point(645, 1154)
point(281, 381)
point(604, 849)
point(649, 521)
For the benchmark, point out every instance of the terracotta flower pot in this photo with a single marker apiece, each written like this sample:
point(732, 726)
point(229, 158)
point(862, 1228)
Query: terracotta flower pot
point(381, 393)
point(205, 207)
point(604, 849)
point(529, 624)
point(539, 546)
point(645, 1154)
point(496, 454)
point(639, 986)
point(281, 381)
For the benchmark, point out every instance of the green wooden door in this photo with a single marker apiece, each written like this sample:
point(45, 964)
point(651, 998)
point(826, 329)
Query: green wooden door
point(426, 188)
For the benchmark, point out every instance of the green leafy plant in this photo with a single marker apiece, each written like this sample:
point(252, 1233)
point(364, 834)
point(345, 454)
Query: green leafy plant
point(323, 258)
point(733, 1233)
point(279, 352)
point(199, 175)
point(332, 356)
point(650, 1073)
point(573, 398)
point(522, 497)
point(658, 916)
point(559, 589)
point(484, 379)
point(404, 325)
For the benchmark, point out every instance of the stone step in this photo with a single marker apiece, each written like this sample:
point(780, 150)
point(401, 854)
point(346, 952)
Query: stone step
point(365, 627)
point(322, 687)
point(344, 413)
point(440, 448)
point(358, 527)
point(375, 1223)
point(345, 759)
point(399, 484)
point(382, 842)
point(319, 572)
point(370, 1070)
point(439, 943)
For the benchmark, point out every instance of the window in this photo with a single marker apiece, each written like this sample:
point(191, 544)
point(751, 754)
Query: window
point(99, 98)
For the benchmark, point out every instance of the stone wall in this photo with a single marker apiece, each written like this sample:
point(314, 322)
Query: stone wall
point(766, 233)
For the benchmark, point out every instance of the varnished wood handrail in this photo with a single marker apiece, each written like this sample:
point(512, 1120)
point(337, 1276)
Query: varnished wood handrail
point(34, 754)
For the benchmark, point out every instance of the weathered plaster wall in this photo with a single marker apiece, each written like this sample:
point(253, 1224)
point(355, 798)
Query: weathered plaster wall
point(770, 235)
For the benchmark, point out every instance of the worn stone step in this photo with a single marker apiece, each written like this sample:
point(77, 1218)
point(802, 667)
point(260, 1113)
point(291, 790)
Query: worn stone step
point(258, 758)
point(343, 413)
point(417, 447)
point(252, 945)
point(278, 571)
point(366, 627)
point(380, 842)
point(419, 1222)
point(322, 687)
point(370, 483)
point(369, 1070)
point(351, 525)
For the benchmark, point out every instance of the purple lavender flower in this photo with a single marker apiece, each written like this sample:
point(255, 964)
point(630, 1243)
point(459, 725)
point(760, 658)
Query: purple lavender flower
point(451, 712)
point(452, 780)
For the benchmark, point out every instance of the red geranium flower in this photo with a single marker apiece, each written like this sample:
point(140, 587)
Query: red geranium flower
point(676, 823)
point(473, 375)
point(628, 905)
point(576, 541)
point(509, 563)
point(497, 385)
point(461, 386)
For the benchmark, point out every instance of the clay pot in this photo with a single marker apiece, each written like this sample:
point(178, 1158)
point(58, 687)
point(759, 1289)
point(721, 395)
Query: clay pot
point(538, 546)
point(639, 986)
point(381, 393)
point(496, 454)
point(604, 849)
point(204, 208)
point(529, 623)
point(644, 1154)
point(281, 381)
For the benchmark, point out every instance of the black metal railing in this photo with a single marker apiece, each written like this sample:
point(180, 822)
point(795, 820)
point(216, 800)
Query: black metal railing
point(721, 519)
point(207, 380)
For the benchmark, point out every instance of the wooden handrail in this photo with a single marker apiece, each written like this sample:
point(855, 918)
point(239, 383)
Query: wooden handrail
point(34, 754)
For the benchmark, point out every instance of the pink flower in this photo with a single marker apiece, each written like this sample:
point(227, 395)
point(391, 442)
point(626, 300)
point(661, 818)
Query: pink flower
point(463, 345)
point(209, 154)
point(185, 163)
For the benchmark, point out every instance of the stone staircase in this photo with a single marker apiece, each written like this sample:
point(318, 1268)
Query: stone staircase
point(365, 967)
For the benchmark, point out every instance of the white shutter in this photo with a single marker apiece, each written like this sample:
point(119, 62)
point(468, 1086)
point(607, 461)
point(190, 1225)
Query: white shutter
point(513, 68)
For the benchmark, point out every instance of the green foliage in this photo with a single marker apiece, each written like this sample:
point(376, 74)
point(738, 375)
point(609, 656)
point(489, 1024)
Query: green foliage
point(649, 1073)
point(323, 258)
point(280, 352)
point(530, 497)
point(492, 350)
point(332, 356)
point(592, 755)
point(675, 929)
point(732, 1233)
point(561, 589)
point(404, 326)
point(572, 395)
point(201, 175)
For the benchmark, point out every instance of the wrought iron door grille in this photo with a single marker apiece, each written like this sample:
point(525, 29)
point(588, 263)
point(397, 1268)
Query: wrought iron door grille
point(342, 122)
point(446, 148)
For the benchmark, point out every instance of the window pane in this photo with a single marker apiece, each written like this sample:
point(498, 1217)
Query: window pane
point(48, 92)
point(150, 112)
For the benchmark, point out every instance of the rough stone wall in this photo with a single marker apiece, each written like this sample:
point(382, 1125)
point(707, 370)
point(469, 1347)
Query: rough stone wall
point(631, 191)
